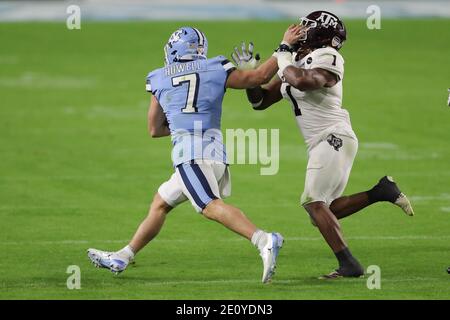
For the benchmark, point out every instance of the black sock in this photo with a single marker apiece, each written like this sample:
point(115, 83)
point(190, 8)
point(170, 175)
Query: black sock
point(372, 194)
point(375, 194)
point(384, 190)
point(344, 257)
point(348, 265)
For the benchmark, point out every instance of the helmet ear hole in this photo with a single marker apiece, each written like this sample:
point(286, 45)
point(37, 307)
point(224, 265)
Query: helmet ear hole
point(336, 42)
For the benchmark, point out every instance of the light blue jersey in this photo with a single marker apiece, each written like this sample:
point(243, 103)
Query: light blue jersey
point(191, 95)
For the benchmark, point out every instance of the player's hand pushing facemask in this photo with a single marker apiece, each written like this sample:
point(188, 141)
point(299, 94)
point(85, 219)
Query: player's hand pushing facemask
point(244, 58)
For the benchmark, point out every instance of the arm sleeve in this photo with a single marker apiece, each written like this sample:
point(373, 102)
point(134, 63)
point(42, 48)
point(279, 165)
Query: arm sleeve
point(223, 68)
point(227, 65)
point(329, 60)
point(150, 83)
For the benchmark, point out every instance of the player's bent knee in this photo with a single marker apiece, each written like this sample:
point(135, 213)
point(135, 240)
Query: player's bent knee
point(314, 206)
point(159, 205)
point(309, 208)
point(214, 209)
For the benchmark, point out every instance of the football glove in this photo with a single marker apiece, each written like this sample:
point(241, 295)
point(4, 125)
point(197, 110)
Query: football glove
point(244, 59)
point(448, 102)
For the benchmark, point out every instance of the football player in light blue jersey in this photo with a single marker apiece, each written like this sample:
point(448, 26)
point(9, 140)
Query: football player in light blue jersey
point(186, 104)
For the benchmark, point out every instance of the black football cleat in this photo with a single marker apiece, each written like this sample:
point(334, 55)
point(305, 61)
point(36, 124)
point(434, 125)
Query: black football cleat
point(331, 276)
point(388, 190)
point(337, 274)
point(355, 271)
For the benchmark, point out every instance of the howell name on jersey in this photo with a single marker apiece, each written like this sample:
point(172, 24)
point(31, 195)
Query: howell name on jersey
point(172, 69)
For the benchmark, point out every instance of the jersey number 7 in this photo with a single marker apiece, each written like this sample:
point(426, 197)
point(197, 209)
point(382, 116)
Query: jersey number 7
point(192, 80)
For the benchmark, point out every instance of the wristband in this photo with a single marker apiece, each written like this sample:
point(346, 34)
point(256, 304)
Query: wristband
point(257, 104)
point(286, 43)
point(284, 61)
point(284, 48)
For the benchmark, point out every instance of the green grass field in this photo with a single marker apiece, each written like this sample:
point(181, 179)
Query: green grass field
point(78, 169)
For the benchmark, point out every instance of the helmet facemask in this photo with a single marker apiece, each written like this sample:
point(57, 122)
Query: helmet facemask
point(306, 24)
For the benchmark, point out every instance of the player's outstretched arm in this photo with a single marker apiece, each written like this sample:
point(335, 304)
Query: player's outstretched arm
point(308, 80)
point(250, 76)
point(157, 122)
point(263, 97)
point(244, 79)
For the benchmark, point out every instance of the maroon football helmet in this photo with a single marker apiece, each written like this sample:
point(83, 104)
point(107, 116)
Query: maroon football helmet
point(323, 29)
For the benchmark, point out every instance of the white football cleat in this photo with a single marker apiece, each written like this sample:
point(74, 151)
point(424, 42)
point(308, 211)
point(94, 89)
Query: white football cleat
point(108, 260)
point(269, 255)
point(403, 202)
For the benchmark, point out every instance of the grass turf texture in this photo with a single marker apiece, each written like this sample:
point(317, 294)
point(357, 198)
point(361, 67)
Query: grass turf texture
point(78, 169)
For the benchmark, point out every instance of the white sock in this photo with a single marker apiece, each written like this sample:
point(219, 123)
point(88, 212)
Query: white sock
point(126, 253)
point(259, 239)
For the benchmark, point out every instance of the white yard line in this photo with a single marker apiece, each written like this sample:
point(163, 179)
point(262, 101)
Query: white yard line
point(69, 242)
point(422, 174)
point(379, 145)
point(441, 197)
point(275, 281)
point(287, 204)
point(389, 151)
point(405, 237)
point(4, 59)
point(44, 81)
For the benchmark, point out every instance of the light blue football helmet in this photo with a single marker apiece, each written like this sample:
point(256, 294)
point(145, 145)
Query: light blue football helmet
point(186, 44)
